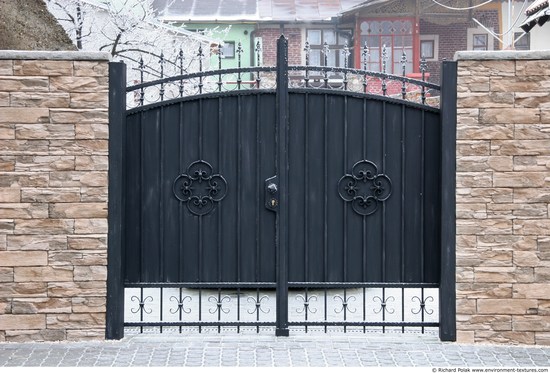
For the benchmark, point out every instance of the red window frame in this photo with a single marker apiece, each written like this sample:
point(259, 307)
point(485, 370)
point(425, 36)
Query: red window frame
point(415, 34)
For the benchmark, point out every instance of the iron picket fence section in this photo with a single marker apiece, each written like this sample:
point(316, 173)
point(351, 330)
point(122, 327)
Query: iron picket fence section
point(282, 198)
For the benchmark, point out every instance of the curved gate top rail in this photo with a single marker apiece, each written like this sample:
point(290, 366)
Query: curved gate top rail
point(355, 80)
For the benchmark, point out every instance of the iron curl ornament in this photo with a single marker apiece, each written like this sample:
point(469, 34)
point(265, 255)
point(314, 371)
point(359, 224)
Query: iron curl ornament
point(365, 188)
point(200, 188)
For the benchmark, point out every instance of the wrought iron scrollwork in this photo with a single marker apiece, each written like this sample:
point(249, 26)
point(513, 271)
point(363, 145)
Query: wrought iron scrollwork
point(218, 304)
point(345, 303)
point(257, 304)
point(180, 306)
point(307, 306)
point(422, 306)
point(141, 304)
point(384, 304)
point(200, 188)
point(365, 188)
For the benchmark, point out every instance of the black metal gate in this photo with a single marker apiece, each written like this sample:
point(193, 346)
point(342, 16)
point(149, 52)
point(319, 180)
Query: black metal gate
point(287, 179)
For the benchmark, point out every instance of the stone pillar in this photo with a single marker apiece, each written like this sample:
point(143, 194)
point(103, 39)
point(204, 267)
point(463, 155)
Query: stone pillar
point(53, 195)
point(503, 197)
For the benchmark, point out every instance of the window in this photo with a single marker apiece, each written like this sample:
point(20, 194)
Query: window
point(480, 40)
point(522, 43)
point(228, 49)
point(429, 47)
point(396, 35)
point(336, 40)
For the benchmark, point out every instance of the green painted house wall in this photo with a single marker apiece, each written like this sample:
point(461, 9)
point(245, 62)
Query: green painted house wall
point(237, 33)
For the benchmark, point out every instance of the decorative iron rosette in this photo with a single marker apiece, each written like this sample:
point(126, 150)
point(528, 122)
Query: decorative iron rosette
point(200, 188)
point(365, 188)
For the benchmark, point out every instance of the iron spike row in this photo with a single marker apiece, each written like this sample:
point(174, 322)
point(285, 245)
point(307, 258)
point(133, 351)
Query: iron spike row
point(161, 62)
point(141, 91)
point(180, 56)
point(404, 66)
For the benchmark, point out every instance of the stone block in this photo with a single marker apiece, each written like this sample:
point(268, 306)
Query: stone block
point(79, 147)
point(90, 100)
point(506, 242)
point(44, 131)
point(23, 115)
point(487, 322)
point(476, 290)
point(90, 273)
point(530, 68)
point(26, 163)
point(7, 226)
point(531, 323)
point(39, 99)
point(485, 132)
point(45, 335)
point(23, 290)
point(532, 291)
point(42, 67)
point(78, 258)
point(23, 258)
point(5, 306)
point(526, 259)
point(473, 147)
point(86, 334)
point(22, 322)
point(467, 117)
point(473, 84)
point(482, 227)
point(517, 211)
point(76, 321)
point(90, 226)
point(23, 210)
point(91, 68)
point(92, 131)
point(4, 99)
point(6, 275)
point(532, 100)
point(532, 131)
point(544, 308)
point(41, 226)
point(545, 116)
point(542, 338)
point(24, 147)
point(504, 337)
point(506, 275)
point(36, 242)
point(92, 163)
point(7, 164)
point(77, 289)
point(24, 84)
point(41, 305)
point(66, 179)
point(521, 179)
point(471, 211)
point(484, 195)
point(89, 304)
point(466, 306)
point(88, 242)
point(536, 227)
point(464, 242)
point(532, 195)
point(6, 67)
point(77, 210)
point(505, 307)
point(83, 84)
point(531, 163)
point(518, 84)
point(50, 195)
point(24, 179)
point(542, 274)
point(520, 147)
point(474, 179)
point(43, 274)
point(7, 131)
point(485, 100)
point(3, 242)
point(95, 194)
point(10, 195)
point(78, 116)
point(543, 246)
point(464, 336)
point(484, 163)
point(484, 258)
point(464, 274)
point(509, 116)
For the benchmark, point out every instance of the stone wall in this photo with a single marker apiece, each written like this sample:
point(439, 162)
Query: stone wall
point(53, 195)
point(503, 197)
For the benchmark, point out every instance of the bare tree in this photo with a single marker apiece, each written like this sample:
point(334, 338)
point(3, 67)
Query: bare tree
point(130, 30)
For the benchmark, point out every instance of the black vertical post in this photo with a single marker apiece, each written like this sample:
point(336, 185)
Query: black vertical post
point(447, 287)
point(115, 276)
point(282, 161)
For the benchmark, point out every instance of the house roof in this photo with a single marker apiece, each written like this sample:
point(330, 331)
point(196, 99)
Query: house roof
point(252, 10)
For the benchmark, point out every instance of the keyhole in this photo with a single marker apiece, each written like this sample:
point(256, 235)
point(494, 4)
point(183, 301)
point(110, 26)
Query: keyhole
point(273, 202)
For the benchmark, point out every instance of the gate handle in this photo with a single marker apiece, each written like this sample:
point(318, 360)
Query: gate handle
point(271, 193)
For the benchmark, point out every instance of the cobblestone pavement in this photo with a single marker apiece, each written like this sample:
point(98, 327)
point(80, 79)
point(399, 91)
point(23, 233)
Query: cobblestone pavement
point(266, 350)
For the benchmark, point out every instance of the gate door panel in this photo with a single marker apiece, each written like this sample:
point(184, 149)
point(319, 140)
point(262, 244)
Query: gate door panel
point(195, 200)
